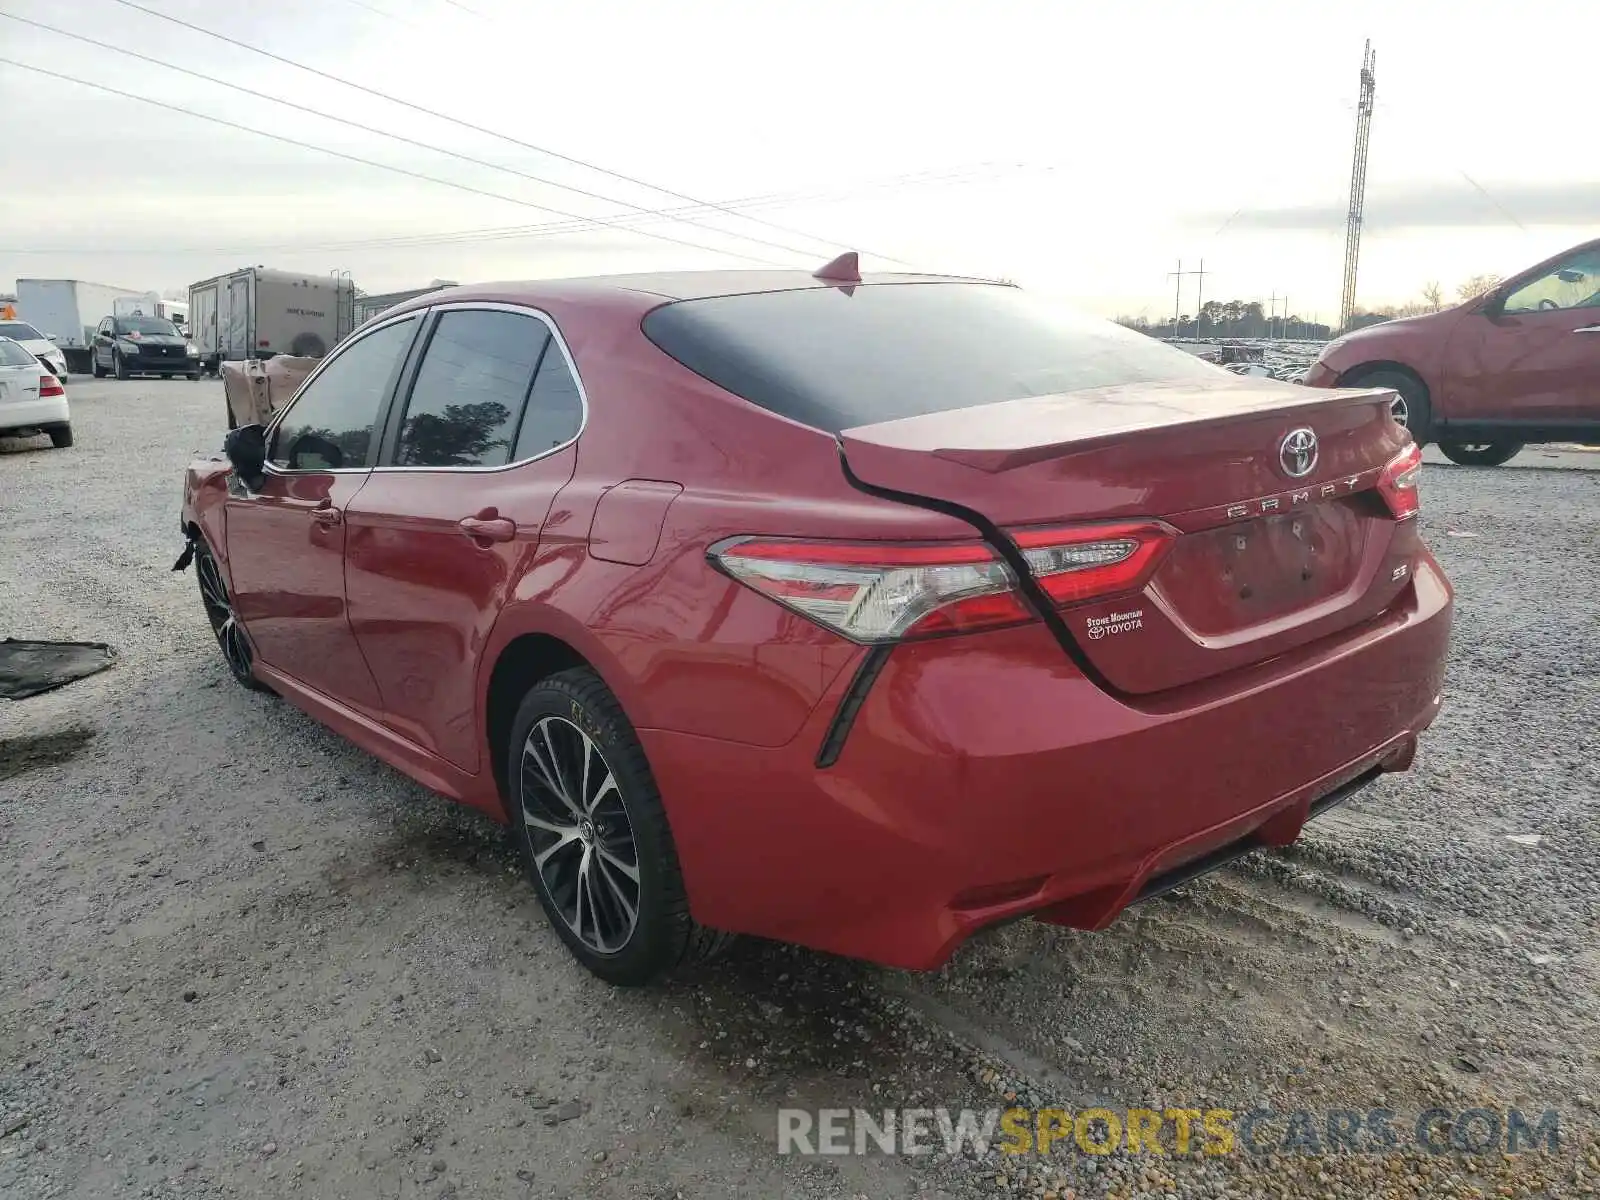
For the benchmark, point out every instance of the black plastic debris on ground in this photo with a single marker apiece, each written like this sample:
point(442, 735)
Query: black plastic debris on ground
point(29, 668)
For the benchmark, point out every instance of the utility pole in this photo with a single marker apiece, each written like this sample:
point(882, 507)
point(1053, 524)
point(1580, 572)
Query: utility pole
point(1199, 296)
point(1358, 185)
point(1177, 297)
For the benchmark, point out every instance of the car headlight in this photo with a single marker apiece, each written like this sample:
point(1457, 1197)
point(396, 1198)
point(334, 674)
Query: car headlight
point(192, 350)
point(128, 347)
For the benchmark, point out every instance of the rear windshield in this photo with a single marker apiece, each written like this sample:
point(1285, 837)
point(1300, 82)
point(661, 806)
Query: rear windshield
point(834, 358)
point(13, 355)
point(144, 325)
point(21, 331)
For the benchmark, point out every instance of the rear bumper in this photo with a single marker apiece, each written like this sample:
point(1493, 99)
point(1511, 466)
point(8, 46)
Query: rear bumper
point(986, 779)
point(33, 414)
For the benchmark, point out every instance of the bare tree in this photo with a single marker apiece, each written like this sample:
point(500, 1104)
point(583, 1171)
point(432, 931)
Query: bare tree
point(1433, 296)
point(1478, 285)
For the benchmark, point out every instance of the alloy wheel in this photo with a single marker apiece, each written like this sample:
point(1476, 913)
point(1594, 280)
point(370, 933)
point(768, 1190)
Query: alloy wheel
point(1398, 409)
point(219, 608)
point(579, 835)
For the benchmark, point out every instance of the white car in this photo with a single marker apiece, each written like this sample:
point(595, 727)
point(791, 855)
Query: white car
point(36, 344)
point(32, 400)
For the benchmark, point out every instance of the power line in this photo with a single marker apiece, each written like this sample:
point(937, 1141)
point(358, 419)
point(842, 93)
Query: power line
point(541, 230)
point(467, 158)
point(457, 121)
point(367, 162)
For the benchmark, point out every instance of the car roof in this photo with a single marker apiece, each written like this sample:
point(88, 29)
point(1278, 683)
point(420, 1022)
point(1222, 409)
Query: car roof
point(649, 289)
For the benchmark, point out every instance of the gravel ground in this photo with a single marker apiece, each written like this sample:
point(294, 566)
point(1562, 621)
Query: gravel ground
point(240, 957)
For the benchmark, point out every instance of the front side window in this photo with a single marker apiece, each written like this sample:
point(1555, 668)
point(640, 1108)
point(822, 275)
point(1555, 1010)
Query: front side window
point(470, 389)
point(330, 425)
point(1573, 284)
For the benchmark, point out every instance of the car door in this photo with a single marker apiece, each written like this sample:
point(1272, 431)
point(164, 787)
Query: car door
point(102, 343)
point(1531, 356)
point(286, 543)
point(480, 440)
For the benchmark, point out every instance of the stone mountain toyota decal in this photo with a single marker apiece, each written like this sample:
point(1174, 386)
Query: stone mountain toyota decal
point(1117, 622)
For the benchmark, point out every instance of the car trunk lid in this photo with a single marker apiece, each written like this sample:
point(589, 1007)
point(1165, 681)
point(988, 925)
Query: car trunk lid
point(1263, 559)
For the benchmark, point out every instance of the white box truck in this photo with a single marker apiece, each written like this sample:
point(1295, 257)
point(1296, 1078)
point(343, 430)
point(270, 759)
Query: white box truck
point(257, 313)
point(151, 304)
point(67, 311)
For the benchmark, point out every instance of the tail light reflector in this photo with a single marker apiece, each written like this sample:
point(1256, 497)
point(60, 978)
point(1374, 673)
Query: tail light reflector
point(1398, 483)
point(1074, 564)
point(49, 385)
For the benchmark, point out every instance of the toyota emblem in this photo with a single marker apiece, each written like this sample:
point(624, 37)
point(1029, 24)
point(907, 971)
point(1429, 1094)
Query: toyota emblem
point(1297, 453)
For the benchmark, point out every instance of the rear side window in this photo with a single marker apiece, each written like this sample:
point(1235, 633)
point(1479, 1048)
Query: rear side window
point(13, 355)
point(555, 407)
point(836, 358)
point(470, 389)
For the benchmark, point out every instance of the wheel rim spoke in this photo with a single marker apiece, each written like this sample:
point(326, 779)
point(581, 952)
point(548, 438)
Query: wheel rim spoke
point(581, 843)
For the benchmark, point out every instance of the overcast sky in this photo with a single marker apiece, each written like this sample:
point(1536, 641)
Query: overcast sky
point(1079, 148)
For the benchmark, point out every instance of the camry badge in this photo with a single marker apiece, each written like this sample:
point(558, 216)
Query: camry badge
point(1297, 453)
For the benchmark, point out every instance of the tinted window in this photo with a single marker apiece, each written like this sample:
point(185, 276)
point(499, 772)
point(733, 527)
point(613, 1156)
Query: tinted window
point(555, 407)
point(834, 358)
point(330, 425)
point(1574, 284)
point(145, 325)
point(13, 355)
point(21, 331)
point(470, 388)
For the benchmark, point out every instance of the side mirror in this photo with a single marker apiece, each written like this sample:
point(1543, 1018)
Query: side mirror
point(246, 448)
point(1492, 302)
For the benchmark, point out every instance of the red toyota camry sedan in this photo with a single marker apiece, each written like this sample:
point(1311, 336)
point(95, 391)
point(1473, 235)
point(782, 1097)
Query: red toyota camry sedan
point(860, 613)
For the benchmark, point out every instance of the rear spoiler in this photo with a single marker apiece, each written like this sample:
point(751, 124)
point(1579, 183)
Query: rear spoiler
point(1015, 433)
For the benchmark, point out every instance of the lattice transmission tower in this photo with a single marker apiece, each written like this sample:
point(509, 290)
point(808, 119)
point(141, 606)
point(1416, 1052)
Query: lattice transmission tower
point(1358, 186)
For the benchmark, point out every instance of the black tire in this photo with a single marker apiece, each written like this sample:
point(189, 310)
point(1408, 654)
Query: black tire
point(1414, 409)
point(231, 637)
point(1480, 454)
point(194, 376)
point(60, 436)
point(166, 376)
point(121, 367)
point(95, 368)
point(576, 720)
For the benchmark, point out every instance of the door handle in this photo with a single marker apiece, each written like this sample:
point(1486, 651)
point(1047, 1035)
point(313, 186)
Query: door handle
point(489, 529)
point(327, 515)
point(1588, 329)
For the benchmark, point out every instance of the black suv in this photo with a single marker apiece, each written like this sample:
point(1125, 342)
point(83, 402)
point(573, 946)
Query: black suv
point(128, 346)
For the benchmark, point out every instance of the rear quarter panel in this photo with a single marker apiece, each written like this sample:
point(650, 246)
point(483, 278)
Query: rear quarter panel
point(683, 646)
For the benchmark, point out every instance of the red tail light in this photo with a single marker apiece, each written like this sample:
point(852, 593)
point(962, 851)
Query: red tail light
point(1398, 483)
point(886, 591)
point(879, 591)
point(1078, 563)
point(49, 385)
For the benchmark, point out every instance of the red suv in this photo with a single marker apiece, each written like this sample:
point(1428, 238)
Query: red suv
point(1519, 364)
point(856, 613)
